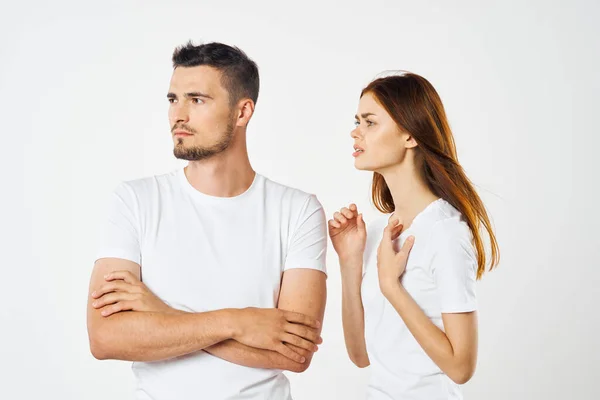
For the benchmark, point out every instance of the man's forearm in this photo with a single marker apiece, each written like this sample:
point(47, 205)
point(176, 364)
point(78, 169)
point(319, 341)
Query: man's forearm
point(150, 336)
point(238, 353)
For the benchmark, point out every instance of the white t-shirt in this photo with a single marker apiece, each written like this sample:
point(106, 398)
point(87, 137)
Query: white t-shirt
point(440, 276)
point(201, 253)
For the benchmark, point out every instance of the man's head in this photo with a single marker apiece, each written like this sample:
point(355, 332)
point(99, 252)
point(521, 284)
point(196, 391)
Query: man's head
point(213, 91)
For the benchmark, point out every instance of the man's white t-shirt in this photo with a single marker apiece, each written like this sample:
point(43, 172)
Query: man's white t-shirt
point(201, 253)
point(440, 276)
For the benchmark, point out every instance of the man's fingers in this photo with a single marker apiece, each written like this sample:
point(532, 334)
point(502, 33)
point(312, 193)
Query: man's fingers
point(113, 286)
point(111, 298)
point(303, 332)
point(123, 275)
point(302, 319)
point(299, 342)
point(287, 352)
point(117, 307)
point(303, 352)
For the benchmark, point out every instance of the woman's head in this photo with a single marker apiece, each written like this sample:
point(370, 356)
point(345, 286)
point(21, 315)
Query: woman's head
point(401, 121)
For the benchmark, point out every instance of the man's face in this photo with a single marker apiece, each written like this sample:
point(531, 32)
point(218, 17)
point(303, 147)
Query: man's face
point(200, 115)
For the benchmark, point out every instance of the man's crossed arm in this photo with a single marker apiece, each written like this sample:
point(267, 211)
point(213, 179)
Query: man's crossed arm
point(128, 322)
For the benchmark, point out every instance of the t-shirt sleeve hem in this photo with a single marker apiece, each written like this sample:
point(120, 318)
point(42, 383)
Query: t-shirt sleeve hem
point(117, 253)
point(319, 266)
point(459, 308)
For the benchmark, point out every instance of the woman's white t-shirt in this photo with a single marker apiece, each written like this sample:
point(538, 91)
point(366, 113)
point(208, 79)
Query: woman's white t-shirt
point(440, 276)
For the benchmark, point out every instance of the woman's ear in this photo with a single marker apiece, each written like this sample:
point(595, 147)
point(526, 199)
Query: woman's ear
point(410, 142)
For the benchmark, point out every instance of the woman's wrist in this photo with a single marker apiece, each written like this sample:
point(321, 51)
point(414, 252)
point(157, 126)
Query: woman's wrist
point(390, 287)
point(350, 260)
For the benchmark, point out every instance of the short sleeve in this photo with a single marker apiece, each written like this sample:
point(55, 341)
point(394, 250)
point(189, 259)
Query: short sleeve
point(120, 236)
point(454, 268)
point(308, 244)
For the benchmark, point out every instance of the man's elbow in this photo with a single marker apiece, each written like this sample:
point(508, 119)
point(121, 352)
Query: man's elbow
point(299, 367)
point(100, 347)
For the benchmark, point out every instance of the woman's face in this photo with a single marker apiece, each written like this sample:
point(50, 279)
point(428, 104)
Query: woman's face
point(378, 142)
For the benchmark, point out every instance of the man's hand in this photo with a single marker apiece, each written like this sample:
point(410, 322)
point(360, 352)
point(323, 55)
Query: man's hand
point(275, 329)
point(123, 291)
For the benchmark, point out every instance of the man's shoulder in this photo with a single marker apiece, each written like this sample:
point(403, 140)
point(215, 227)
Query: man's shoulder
point(147, 187)
point(277, 189)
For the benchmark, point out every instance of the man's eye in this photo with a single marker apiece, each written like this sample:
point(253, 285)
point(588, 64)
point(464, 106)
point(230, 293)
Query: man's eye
point(171, 100)
point(197, 100)
point(369, 123)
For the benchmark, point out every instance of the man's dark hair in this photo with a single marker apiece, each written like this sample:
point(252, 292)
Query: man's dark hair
point(239, 73)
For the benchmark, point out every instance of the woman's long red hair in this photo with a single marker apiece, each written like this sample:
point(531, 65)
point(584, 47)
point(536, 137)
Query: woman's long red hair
point(416, 107)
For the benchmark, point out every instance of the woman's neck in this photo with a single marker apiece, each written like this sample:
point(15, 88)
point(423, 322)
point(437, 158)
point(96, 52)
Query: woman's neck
point(409, 190)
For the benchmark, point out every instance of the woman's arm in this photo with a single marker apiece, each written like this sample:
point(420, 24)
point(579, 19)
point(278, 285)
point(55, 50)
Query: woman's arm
point(454, 351)
point(353, 318)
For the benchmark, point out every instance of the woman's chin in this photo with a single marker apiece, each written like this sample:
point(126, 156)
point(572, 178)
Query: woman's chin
point(361, 166)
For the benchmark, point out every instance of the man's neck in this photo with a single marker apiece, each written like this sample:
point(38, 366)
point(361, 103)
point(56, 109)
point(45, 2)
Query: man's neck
point(223, 175)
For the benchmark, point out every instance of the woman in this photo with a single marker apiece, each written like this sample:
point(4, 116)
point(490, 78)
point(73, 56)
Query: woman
point(410, 313)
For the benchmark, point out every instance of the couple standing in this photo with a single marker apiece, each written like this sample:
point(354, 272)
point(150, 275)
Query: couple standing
point(211, 279)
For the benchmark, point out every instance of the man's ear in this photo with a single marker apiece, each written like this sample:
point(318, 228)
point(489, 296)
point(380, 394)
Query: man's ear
point(245, 112)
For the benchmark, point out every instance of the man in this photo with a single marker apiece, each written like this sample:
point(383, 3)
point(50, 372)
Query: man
point(211, 279)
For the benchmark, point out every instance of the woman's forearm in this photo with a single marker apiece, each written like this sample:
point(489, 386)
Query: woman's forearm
point(431, 338)
point(353, 313)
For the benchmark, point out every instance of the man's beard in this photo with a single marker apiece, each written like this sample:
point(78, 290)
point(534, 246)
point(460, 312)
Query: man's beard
point(198, 153)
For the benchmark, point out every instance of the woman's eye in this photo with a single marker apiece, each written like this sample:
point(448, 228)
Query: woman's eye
point(369, 123)
point(356, 123)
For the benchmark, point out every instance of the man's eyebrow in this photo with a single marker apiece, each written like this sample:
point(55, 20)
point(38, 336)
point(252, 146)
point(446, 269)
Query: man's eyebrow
point(189, 94)
point(197, 94)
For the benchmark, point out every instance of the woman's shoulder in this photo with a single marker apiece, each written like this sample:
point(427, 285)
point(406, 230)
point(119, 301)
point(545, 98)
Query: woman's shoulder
point(449, 234)
point(449, 223)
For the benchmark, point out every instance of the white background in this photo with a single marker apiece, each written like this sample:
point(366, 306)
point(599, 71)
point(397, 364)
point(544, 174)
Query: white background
point(83, 107)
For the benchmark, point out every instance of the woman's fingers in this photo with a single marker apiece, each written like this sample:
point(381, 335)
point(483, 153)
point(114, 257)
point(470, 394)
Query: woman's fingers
point(347, 213)
point(406, 247)
point(334, 224)
point(340, 218)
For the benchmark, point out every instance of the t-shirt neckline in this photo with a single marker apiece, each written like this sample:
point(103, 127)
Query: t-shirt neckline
point(420, 215)
point(207, 197)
